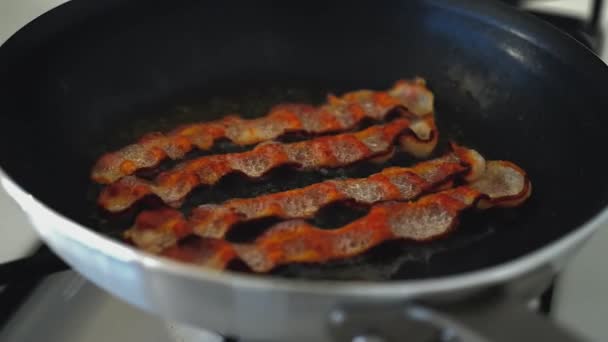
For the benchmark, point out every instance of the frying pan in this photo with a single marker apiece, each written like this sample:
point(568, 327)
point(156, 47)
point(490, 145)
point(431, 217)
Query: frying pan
point(89, 77)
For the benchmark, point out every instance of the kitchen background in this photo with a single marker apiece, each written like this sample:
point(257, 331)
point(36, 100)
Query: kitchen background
point(65, 307)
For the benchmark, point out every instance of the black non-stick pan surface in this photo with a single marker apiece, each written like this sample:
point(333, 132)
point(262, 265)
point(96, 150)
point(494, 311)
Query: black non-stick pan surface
point(89, 77)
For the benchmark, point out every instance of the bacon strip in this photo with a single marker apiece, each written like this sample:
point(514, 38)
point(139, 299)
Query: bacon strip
point(433, 216)
point(155, 230)
point(338, 115)
point(322, 152)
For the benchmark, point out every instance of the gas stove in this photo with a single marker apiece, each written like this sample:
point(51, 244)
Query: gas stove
point(66, 307)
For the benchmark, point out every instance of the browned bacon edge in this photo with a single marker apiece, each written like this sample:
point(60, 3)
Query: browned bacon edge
point(322, 152)
point(503, 184)
point(155, 230)
point(341, 113)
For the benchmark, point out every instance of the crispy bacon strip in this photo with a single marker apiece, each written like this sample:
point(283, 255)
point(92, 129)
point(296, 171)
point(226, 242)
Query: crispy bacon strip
point(503, 185)
point(155, 230)
point(322, 152)
point(339, 114)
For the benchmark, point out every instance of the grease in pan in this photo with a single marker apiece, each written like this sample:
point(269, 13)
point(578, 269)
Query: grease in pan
point(503, 184)
point(323, 152)
point(156, 229)
point(340, 114)
point(450, 184)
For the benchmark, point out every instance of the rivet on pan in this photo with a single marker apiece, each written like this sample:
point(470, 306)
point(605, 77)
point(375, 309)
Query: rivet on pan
point(367, 338)
point(337, 317)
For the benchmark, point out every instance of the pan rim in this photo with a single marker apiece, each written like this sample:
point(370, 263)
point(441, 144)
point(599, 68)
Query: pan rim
point(376, 290)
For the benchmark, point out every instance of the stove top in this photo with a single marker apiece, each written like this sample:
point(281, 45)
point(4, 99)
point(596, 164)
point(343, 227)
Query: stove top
point(66, 307)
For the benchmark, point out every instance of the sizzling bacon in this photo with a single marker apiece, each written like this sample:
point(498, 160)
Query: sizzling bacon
point(322, 152)
point(341, 113)
point(433, 216)
point(155, 230)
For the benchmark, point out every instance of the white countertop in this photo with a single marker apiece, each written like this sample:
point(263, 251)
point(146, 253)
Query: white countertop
point(581, 300)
